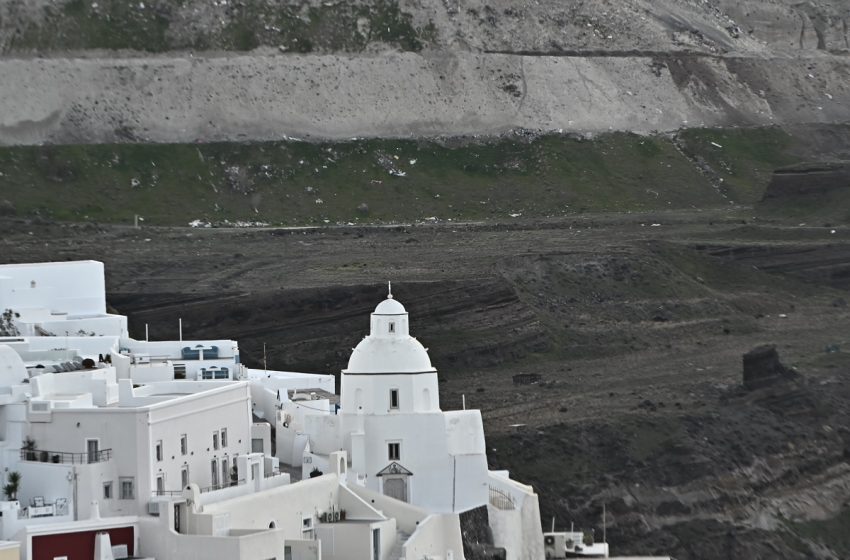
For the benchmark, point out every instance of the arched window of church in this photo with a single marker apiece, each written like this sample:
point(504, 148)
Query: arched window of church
point(392, 327)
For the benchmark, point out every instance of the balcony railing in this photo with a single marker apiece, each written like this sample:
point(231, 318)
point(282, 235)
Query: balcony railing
point(45, 456)
point(203, 490)
point(501, 500)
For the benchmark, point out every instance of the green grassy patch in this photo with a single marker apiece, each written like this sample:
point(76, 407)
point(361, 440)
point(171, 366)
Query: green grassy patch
point(744, 160)
point(166, 25)
point(375, 181)
point(823, 208)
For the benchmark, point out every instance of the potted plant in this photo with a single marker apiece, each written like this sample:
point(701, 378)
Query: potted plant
point(13, 482)
point(29, 447)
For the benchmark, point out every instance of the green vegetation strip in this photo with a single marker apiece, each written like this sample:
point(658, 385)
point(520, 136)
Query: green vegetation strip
point(166, 25)
point(367, 181)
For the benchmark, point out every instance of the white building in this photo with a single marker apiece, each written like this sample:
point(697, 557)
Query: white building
point(163, 449)
point(57, 299)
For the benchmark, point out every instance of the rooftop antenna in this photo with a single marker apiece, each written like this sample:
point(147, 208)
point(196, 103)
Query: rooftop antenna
point(180, 326)
point(604, 524)
point(265, 363)
point(389, 289)
point(553, 523)
point(146, 333)
point(463, 400)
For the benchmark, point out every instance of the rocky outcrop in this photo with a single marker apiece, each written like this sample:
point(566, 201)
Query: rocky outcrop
point(762, 368)
point(478, 537)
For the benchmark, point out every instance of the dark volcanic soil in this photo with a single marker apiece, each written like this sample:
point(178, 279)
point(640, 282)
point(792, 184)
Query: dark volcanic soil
point(635, 324)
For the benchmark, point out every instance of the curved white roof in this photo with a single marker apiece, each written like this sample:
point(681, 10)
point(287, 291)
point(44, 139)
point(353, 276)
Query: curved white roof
point(389, 348)
point(12, 367)
point(389, 355)
point(390, 306)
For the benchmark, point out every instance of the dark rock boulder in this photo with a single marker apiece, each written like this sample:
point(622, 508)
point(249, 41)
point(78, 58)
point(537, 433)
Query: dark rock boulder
point(762, 368)
point(526, 378)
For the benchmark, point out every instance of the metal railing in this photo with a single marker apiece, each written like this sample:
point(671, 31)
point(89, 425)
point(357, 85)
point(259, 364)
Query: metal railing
point(45, 456)
point(170, 493)
point(501, 500)
point(215, 487)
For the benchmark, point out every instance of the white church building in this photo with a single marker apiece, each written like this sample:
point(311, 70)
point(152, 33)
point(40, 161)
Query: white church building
point(401, 443)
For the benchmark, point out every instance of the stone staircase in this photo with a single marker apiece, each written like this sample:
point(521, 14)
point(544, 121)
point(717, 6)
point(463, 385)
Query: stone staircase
point(397, 552)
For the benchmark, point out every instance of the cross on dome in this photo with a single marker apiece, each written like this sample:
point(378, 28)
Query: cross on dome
point(389, 289)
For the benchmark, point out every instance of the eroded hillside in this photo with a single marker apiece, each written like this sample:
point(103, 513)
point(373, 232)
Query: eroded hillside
point(78, 71)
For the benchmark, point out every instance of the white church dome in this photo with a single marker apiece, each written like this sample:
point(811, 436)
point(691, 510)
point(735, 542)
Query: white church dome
point(385, 355)
point(389, 348)
point(390, 306)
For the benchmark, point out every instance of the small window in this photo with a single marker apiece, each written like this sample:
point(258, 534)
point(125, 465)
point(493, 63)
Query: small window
point(257, 445)
point(184, 444)
point(215, 440)
point(225, 473)
point(184, 477)
point(393, 398)
point(107, 490)
point(394, 451)
point(224, 437)
point(392, 327)
point(160, 485)
point(128, 491)
point(159, 450)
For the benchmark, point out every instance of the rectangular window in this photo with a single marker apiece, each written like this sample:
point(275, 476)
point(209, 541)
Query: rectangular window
point(394, 451)
point(184, 477)
point(393, 398)
point(214, 472)
point(256, 445)
point(184, 444)
point(107, 490)
point(215, 440)
point(160, 485)
point(159, 450)
point(224, 437)
point(128, 490)
point(392, 327)
point(225, 472)
point(307, 528)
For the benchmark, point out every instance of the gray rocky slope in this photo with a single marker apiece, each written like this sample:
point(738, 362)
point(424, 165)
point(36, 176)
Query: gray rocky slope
point(79, 71)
